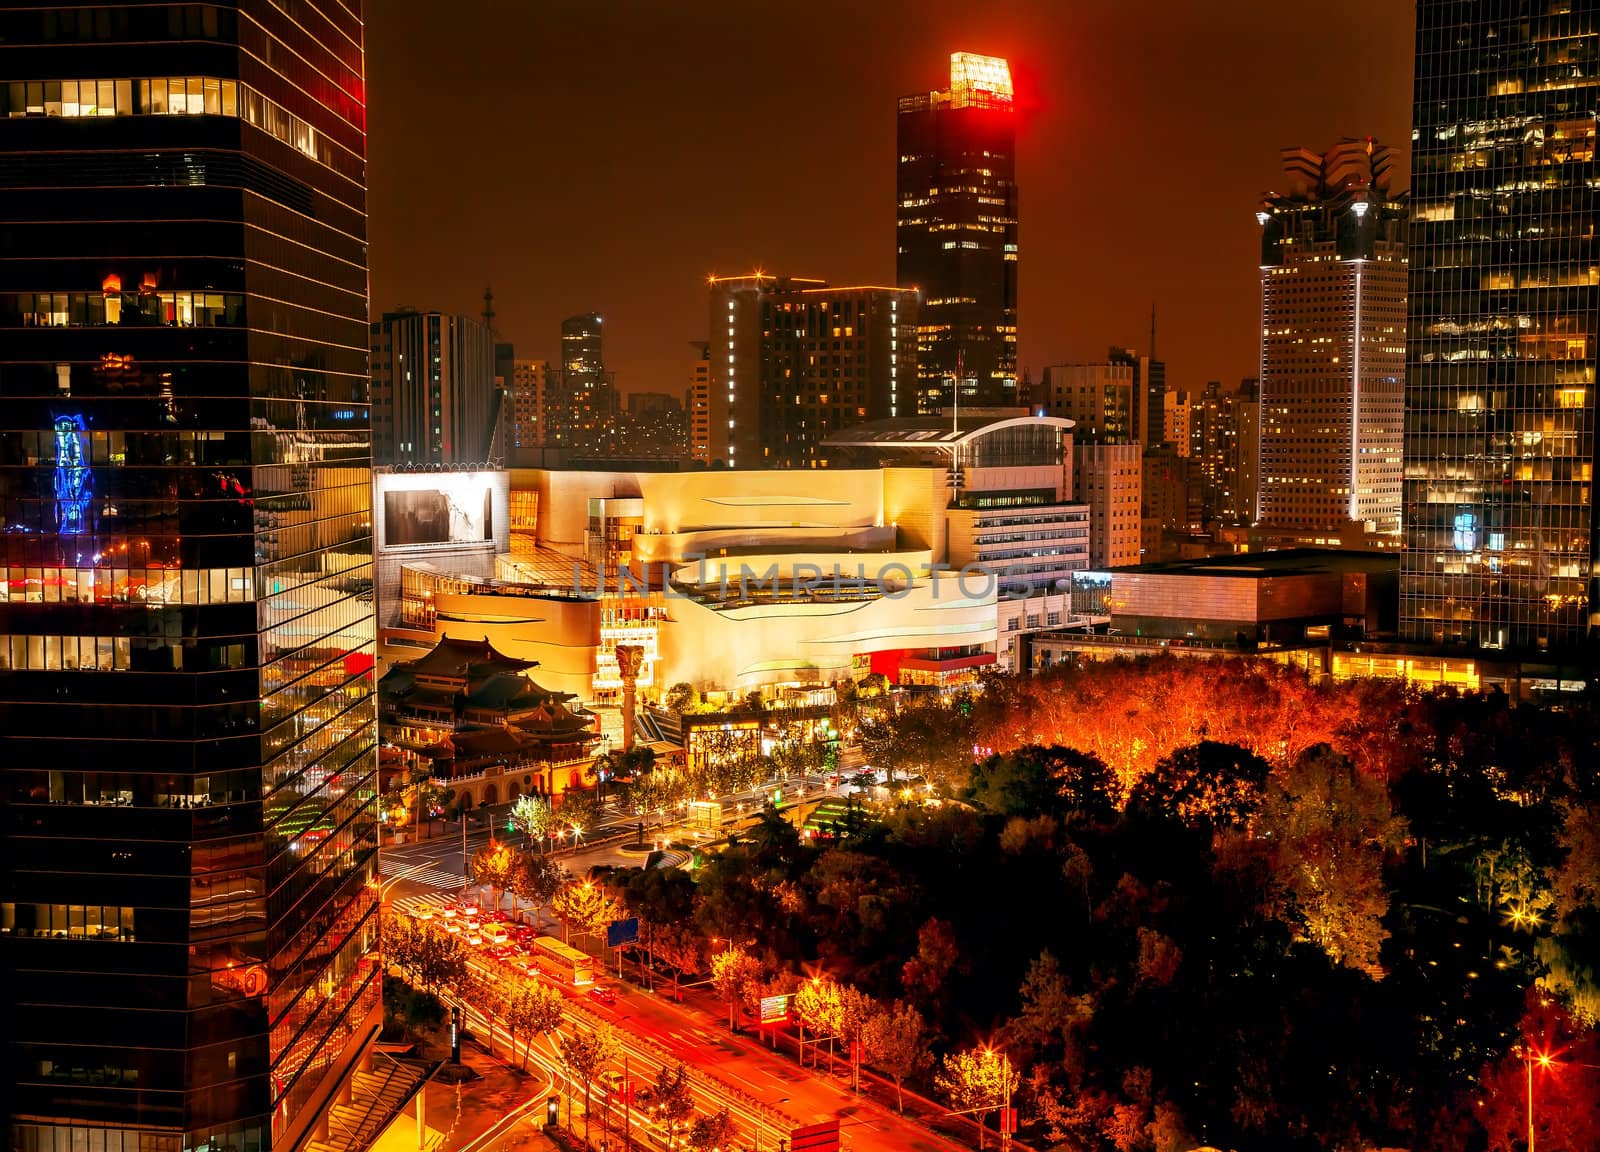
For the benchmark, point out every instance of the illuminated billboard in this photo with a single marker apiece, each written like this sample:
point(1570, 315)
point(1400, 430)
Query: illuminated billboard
point(437, 516)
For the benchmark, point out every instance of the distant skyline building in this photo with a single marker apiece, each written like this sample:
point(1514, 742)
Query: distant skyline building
point(1333, 341)
point(794, 360)
point(188, 724)
point(697, 404)
point(583, 421)
point(652, 426)
point(1500, 531)
point(1106, 477)
point(529, 399)
point(1223, 451)
point(434, 399)
point(1103, 400)
point(956, 231)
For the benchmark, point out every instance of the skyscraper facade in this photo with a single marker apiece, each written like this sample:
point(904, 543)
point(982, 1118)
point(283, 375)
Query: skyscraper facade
point(956, 232)
point(1333, 300)
point(434, 399)
point(1103, 400)
point(1503, 343)
point(584, 422)
point(530, 404)
point(188, 904)
point(795, 360)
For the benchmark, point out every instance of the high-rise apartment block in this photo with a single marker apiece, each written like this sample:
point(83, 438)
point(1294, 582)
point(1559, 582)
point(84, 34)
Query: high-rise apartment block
point(1223, 448)
point(1176, 414)
point(189, 906)
point(1107, 477)
point(434, 399)
point(583, 421)
point(956, 232)
point(1505, 301)
point(529, 400)
point(1333, 299)
point(653, 426)
point(792, 361)
point(697, 404)
point(1102, 400)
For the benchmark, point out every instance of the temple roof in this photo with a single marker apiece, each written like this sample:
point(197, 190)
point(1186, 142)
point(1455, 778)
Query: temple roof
point(453, 659)
point(552, 719)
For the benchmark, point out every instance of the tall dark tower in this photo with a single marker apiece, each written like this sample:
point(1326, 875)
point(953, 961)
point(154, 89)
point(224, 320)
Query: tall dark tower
point(1502, 345)
point(956, 232)
point(187, 719)
point(585, 425)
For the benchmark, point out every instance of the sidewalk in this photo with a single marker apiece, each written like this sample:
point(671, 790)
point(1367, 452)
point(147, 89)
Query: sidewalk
point(466, 1115)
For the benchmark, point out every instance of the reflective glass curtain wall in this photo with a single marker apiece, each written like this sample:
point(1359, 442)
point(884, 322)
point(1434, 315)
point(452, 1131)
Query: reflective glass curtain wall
point(187, 725)
point(1501, 349)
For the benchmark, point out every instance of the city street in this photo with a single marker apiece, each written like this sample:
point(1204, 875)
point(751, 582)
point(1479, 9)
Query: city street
point(765, 1091)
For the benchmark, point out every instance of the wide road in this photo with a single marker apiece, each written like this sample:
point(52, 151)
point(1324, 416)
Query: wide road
point(767, 1094)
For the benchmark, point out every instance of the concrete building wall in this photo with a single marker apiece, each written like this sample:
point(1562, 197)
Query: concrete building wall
point(1107, 477)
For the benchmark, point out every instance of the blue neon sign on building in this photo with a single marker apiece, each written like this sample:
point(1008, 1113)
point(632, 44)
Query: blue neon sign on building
point(73, 481)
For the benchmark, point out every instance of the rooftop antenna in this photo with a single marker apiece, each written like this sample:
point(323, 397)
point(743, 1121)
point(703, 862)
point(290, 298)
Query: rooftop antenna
point(1152, 329)
point(488, 308)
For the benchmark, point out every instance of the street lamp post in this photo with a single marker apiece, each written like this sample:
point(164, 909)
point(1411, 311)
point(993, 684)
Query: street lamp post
point(1530, 1058)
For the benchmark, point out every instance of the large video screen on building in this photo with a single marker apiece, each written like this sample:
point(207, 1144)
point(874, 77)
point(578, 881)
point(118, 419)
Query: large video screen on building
point(450, 515)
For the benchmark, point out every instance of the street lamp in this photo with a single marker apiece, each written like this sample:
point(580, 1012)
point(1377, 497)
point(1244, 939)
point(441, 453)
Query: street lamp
point(1543, 1060)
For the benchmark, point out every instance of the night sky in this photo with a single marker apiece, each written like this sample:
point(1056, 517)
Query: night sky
point(607, 156)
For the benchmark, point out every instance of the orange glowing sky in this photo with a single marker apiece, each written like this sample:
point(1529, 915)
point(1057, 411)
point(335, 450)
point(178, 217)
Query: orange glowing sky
point(592, 155)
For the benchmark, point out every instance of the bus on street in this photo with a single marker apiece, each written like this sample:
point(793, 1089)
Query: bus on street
point(562, 961)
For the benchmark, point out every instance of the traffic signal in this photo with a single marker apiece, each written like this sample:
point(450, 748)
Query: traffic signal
point(552, 1111)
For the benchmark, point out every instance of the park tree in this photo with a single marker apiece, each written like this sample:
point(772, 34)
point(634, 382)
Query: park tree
point(818, 1010)
point(680, 948)
point(925, 975)
point(533, 817)
point(896, 1043)
point(584, 907)
point(584, 1054)
point(731, 970)
point(428, 958)
point(713, 1133)
point(1330, 827)
point(977, 1081)
point(578, 814)
point(1053, 1018)
point(1207, 785)
point(680, 698)
point(670, 1099)
point(492, 865)
point(536, 878)
point(1032, 780)
point(533, 1010)
point(659, 895)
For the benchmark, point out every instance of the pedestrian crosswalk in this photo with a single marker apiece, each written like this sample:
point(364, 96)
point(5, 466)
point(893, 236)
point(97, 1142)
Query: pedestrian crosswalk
point(407, 905)
point(437, 877)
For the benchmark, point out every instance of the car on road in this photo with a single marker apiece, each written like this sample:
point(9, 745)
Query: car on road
point(601, 994)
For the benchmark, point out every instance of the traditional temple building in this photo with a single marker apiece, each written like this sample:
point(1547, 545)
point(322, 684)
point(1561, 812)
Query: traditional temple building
point(466, 710)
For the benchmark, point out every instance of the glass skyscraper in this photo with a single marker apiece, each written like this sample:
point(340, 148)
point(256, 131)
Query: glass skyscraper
point(1501, 347)
point(956, 232)
point(187, 721)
